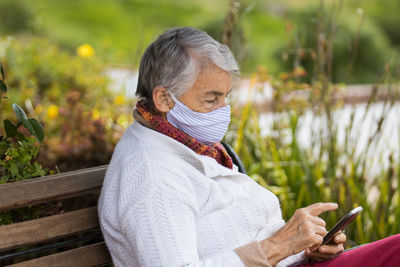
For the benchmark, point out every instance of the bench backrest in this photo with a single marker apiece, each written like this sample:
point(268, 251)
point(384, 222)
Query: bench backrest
point(69, 238)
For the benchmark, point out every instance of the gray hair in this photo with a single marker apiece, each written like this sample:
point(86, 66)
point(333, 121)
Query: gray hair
point(175, 59)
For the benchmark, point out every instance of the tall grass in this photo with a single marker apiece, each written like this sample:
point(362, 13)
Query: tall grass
point(328, 170)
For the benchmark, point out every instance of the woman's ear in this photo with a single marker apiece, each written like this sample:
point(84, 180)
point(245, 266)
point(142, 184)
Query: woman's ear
point(162, 100)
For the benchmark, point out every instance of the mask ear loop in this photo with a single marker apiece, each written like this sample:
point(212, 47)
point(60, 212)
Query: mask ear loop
point(173, 98)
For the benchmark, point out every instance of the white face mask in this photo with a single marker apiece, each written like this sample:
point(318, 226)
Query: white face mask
point(208, 127)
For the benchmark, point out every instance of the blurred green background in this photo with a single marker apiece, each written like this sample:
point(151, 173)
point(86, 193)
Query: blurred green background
point(119, 30)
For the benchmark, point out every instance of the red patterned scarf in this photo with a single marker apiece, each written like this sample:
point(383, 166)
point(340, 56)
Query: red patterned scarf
point(216, 151)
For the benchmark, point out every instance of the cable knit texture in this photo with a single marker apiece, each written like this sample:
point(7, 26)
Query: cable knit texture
point(164, 205)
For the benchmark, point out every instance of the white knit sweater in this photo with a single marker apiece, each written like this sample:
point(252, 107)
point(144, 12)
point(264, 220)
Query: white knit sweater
point(164, 205)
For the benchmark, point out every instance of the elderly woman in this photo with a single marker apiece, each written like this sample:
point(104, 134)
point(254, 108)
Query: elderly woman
point(173, 197)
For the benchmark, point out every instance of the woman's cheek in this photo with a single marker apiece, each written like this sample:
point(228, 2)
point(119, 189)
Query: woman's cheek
point(208, 106)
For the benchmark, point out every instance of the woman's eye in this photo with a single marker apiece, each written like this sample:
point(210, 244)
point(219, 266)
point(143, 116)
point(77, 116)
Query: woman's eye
point(210, 101)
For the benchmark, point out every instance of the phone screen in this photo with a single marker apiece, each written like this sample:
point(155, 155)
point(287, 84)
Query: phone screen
point(348, 218)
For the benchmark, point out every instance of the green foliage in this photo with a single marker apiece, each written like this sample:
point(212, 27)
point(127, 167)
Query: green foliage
point(386, 14)
point(32, 125)
point(328, 171)
point(20, 113)
point(18, 152)
point(259, 34)
point(18, 160)
point(359, 47)
point(134, 23)
point(18, 157)
point(17, 16)
point(69, 95)
point(43, 73)
point(34, 128)
point(10, 128)
point(79, 139)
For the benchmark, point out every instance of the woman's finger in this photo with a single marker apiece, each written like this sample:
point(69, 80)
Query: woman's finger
point(318, 221)
point(316, 255)
point(331, 249)
point(340, 238)
point(319, 230)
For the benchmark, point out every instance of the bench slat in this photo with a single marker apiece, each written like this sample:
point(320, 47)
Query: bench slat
point(48, 228)
point(91, 255)
point(43, 189)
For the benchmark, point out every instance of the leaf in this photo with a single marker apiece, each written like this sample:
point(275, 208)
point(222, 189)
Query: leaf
point(20, 136)
point(19, 112)
point(14, 169)
point(3, 86)
point(2, 71)
point(34, 128)
point(11, 129)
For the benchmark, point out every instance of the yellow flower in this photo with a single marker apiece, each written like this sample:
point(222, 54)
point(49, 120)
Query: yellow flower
point(52, 112)
point(95, 114)
point(85, 50)
point(119, 100)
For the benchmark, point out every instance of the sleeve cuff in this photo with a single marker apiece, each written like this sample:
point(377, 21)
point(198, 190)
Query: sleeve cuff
point(252, 255)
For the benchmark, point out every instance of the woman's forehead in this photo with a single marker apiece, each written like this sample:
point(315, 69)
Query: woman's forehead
point(213, 80)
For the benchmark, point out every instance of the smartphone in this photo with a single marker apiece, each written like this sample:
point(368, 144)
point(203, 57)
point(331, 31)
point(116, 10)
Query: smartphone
point(348, 218)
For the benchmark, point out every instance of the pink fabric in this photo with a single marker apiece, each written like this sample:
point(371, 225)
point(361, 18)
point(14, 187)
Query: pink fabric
point(385, 252)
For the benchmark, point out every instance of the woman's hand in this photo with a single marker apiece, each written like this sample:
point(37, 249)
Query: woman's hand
point(328, 251)
point(305, 230)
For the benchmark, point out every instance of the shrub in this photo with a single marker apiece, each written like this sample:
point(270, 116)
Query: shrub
point(81, 140)
point(69, 95)
point(18, 161)
point(43, 73)
point(18, 151)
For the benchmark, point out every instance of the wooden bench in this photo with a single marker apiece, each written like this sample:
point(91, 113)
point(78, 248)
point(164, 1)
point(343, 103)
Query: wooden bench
point(70, 237)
